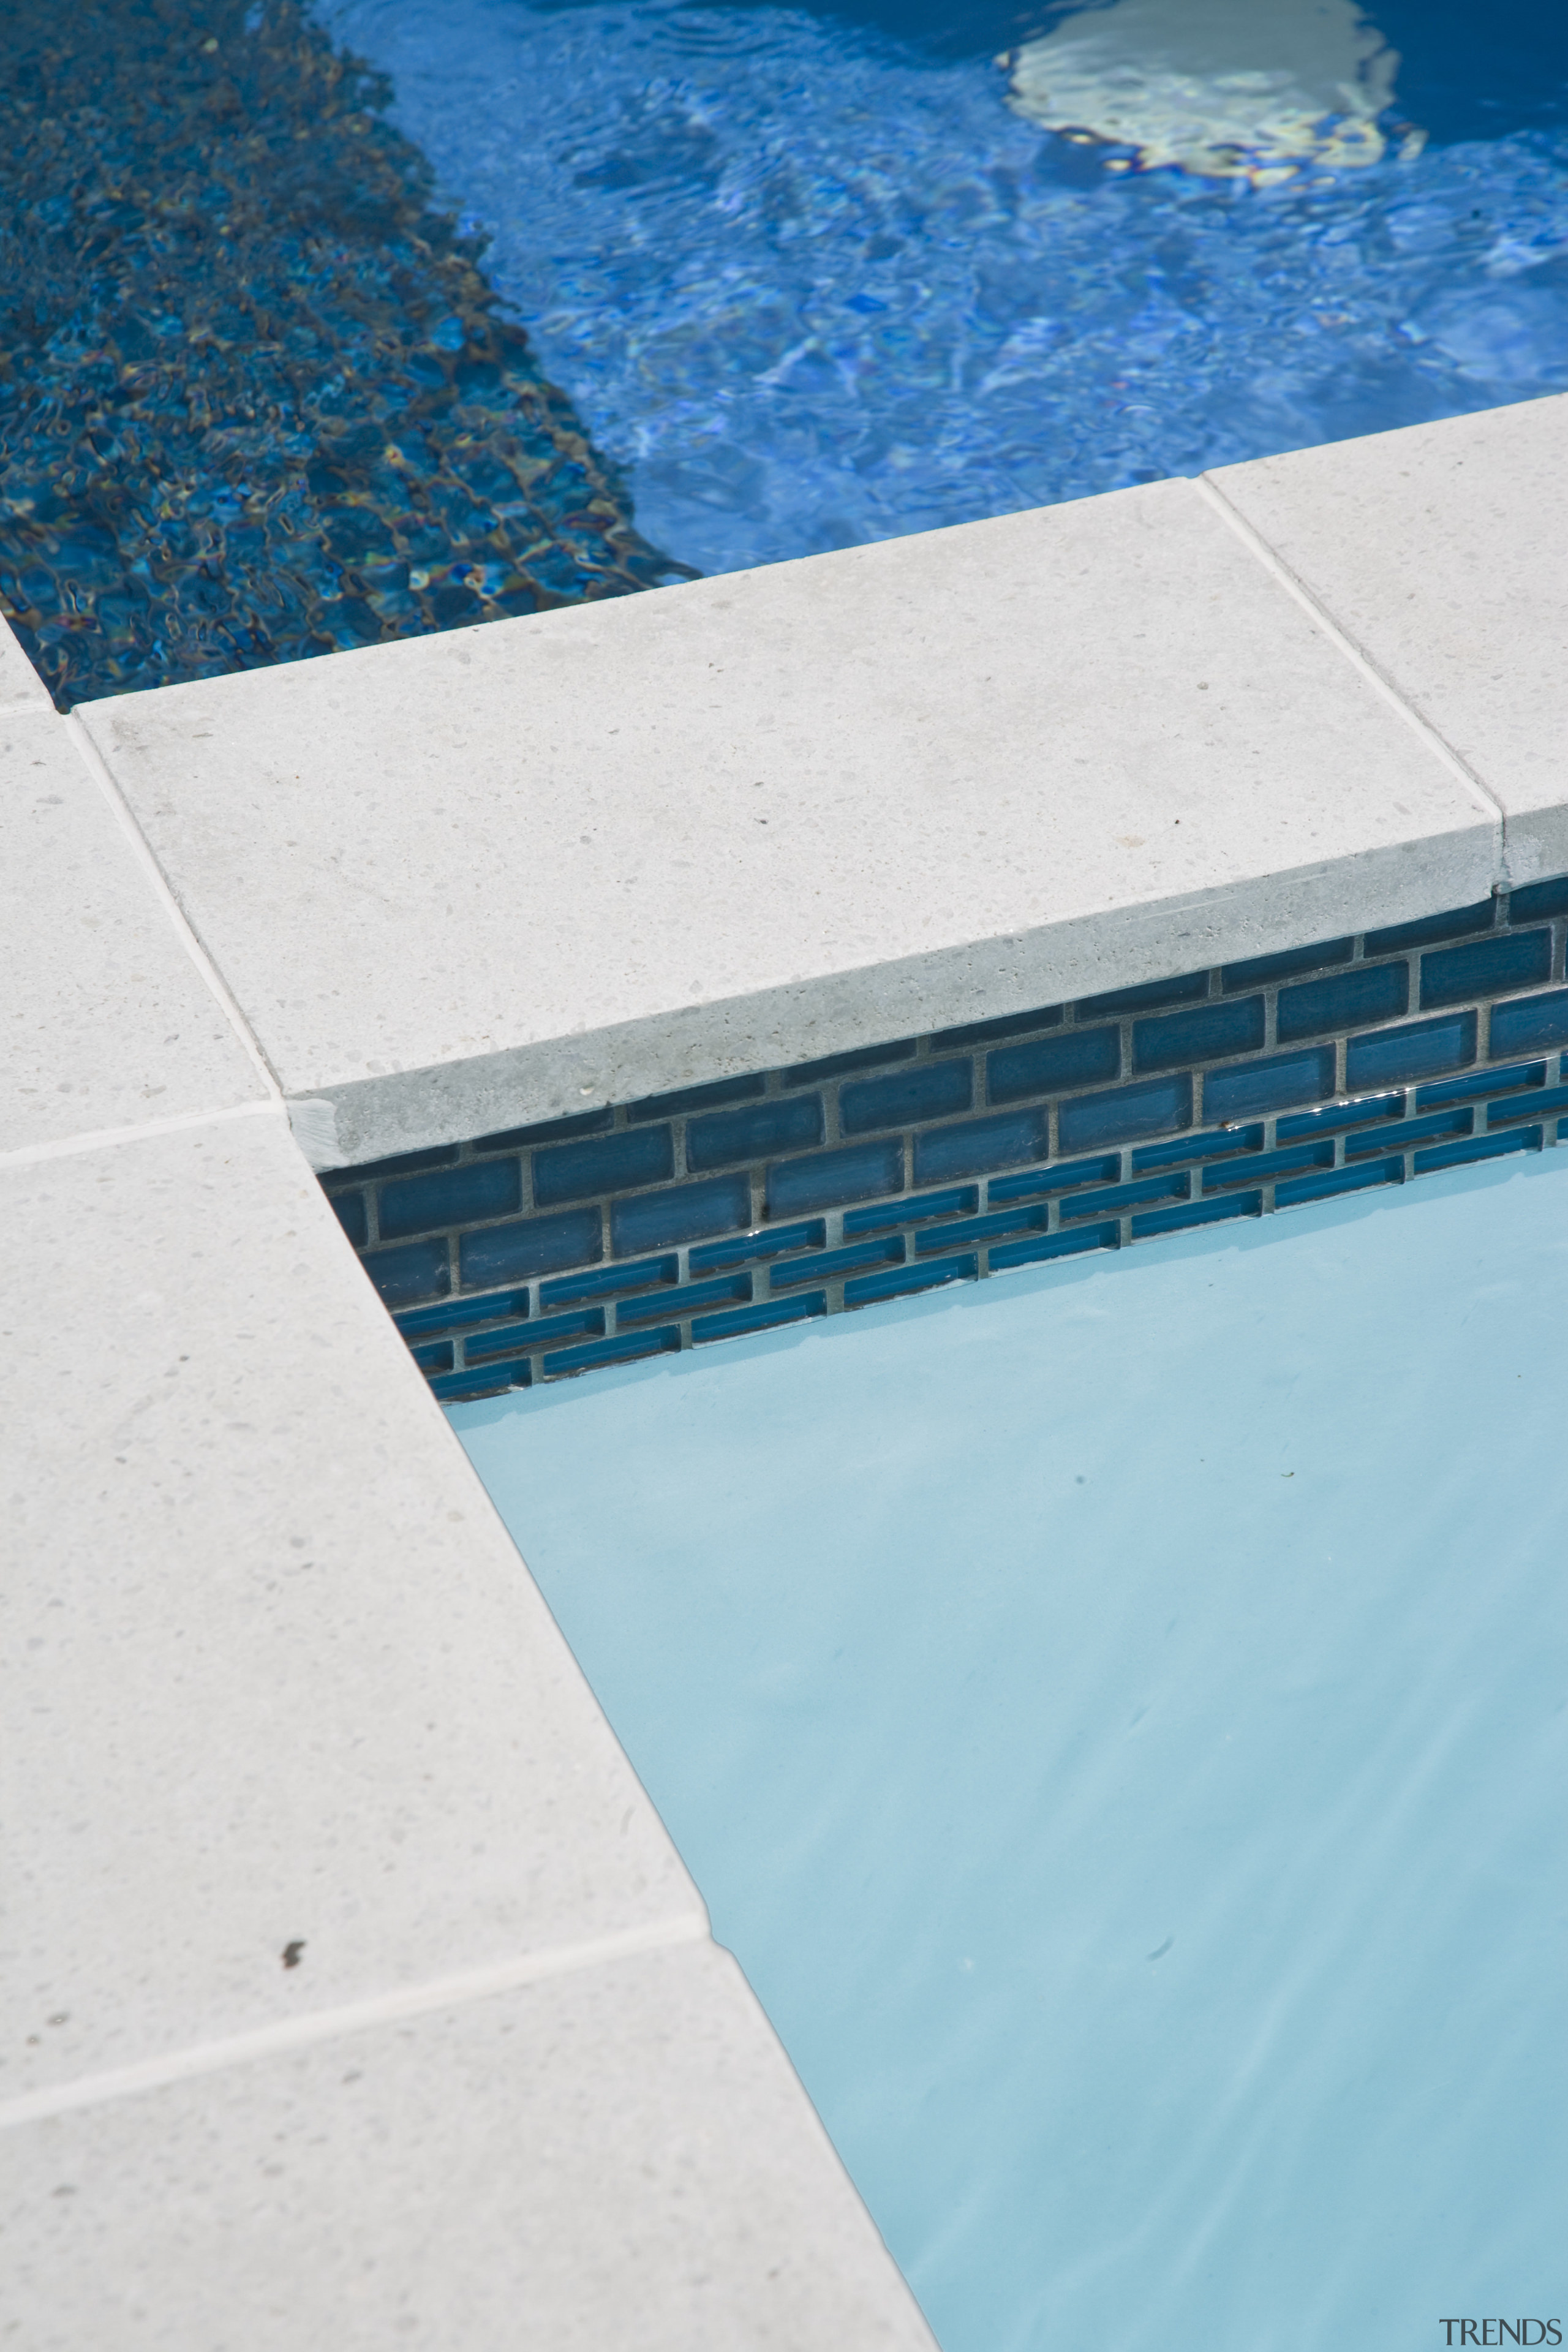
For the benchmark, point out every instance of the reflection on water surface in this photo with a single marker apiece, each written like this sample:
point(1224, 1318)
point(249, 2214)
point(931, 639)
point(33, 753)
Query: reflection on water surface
point(814, 278)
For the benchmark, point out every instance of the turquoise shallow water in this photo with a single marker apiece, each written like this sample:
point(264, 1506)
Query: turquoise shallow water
point(1115, 1714)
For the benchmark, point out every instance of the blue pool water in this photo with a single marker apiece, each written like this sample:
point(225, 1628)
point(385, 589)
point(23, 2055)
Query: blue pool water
point(810, 280)
point(1116, 1715)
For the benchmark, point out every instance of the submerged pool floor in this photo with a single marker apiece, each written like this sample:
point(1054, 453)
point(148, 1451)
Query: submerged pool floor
point(1116, 1716)
point(811, 281)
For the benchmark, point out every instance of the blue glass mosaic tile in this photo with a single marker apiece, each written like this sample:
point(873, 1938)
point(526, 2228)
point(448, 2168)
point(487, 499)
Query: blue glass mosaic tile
point(349, 1208)
point(986, 1032)
point(1131, 1111)
point(536, 1245)
point(1227, 1026)
point(1214, 1143)
point(910, 1277)
point(572, 1172)
point(1509, 960)
point(1533, 1023)
point(1419, 1050)
point(929, 1090)
point(1303, 1188)
point(1399, 1134)
point(1538, 899)
point(1035, 1251)
point(1548, 1104)
point(1415, 1093)
point(1368, 993)
point(1271, 1085)
point(859, 1172)
point(1021, 1219)
point(1185, 991)
point(1199, 1212)
point(1451, 925)
point(492, 1381)
point(458, 1313)
point(418, 1270)
point(1259, 970)
point(450, 1196)
point(1335, 1115)
point(616, 1351)
point(835, 1065)
point(1125, 1196)
point(771, 1240)
point(482, 1347)
point(1481, 1147)
point(1078, 1057)
point(1482, 1082)
point(609, 1281)
point(550, 1131)
point(1270, 1165)
point(759, 1318)
point(975, 1145)
point(724, 1090)
point(724, 1290)
point(826, 1265)
point(1062, 1177)
point(960, 1202)
point(403, 1163)
point(721, 1138)
point(686, 1213)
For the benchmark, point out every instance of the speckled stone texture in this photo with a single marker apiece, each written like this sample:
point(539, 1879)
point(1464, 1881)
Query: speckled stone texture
point(514, 873)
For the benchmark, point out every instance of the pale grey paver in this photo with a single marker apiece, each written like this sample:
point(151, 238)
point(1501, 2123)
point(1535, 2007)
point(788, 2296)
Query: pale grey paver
point(105, 1019)
point(513, 872)
point(1441, 551)
point(289, 1683)
point(21, 687)
point(280, 1674)
point(619, 2160)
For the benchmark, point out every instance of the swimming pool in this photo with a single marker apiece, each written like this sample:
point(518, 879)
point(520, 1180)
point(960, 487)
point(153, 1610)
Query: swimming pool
point(1114, 1714)
point(813, 279)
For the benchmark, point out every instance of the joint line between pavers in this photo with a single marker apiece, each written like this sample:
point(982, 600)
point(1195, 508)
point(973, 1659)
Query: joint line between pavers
point(352, 2017)
point(98, 769)
point(100, 1138)
point(1361, 660)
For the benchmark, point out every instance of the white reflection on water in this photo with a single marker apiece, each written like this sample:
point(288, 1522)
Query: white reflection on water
point(1232, 89)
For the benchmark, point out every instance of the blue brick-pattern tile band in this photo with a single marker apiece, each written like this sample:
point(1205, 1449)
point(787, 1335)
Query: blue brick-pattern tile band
point(553, 1249)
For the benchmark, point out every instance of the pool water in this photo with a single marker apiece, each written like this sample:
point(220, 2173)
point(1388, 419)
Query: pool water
point(255, 401)
point(1115, 1714)
point(811, 279)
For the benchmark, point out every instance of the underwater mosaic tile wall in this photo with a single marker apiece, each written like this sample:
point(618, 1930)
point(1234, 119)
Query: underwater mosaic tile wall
point(555, 1249)
point(256, 402)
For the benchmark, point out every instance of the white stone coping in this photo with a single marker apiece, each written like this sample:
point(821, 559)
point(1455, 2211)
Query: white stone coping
point(502, 874)
point(285, 1684)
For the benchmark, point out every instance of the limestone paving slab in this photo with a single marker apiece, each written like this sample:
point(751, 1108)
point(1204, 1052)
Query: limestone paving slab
point(1439, 550)
point(279, 1676)
point(620, 2160)
point(107, 1022)
point(513, 872)
point(21, 687)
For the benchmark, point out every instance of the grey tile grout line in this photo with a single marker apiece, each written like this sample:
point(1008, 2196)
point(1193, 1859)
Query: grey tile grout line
point(120, 808)
point(321, 2025)
point(1362, 661)
point(834, 1218)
